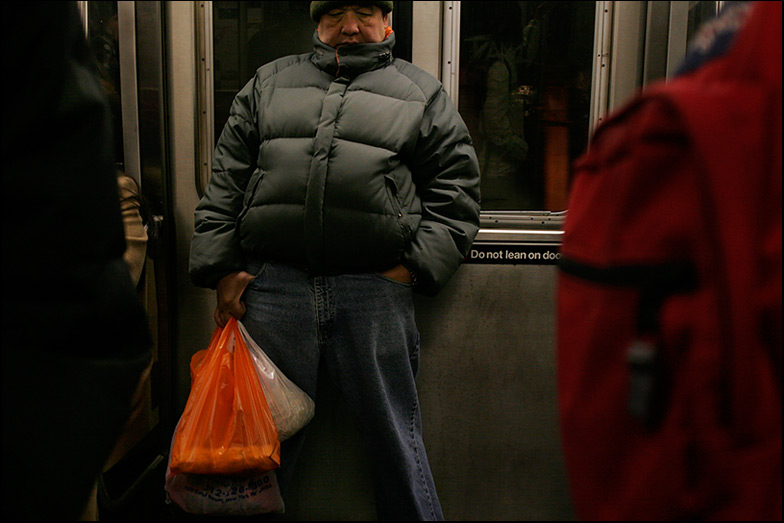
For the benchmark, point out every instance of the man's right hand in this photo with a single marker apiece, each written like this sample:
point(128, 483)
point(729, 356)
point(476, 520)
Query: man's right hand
point(230, 289)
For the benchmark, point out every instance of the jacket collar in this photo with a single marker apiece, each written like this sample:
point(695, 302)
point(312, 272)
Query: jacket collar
point(352, 60)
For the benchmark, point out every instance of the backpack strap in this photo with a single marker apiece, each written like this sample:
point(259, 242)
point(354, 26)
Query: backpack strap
point(648, 390)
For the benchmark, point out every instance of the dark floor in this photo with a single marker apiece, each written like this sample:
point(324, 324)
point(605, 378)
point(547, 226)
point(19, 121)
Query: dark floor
point(133, 490)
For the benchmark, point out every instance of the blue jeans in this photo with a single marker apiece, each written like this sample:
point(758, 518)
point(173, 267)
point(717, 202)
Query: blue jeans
point(362, 327)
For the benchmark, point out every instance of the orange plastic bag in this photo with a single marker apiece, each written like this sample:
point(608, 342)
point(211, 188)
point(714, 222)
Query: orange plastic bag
point(226, 427)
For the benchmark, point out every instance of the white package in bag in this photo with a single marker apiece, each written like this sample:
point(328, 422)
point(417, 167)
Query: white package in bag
point(247, 495)
point(290, 406)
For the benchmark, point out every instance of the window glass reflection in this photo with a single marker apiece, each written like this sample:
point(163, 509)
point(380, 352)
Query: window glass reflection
point(102, 34)
point(246, 35)
point(525, 81)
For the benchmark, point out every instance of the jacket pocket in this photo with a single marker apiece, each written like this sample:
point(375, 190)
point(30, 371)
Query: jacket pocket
point(397, 206)
point(250, 191)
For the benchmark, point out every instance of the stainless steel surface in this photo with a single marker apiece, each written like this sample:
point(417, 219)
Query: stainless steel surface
point(450, 49)
point(126, 18)
point(627, 51)
point(487, 388)
point(601, 60)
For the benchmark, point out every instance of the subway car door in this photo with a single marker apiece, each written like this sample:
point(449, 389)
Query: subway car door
point(531, 79)
point(521, 74)
point(127, 43)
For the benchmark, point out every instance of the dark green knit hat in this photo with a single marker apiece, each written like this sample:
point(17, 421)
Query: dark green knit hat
point(319, 8)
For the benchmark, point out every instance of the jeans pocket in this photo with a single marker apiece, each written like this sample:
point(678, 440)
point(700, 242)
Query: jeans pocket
point(257, 269)
point(404, 284)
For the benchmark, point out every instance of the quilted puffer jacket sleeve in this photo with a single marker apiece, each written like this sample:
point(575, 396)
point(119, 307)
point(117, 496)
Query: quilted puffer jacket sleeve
point(446, 173)
point(215, 248)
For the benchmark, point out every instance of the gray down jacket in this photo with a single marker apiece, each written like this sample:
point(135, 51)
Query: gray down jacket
point(340, 161)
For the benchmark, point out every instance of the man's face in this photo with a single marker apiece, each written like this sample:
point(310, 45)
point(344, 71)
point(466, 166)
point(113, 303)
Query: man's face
point(353, 24)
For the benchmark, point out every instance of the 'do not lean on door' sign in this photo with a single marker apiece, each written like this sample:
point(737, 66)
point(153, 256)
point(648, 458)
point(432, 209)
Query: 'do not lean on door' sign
point(513, 254)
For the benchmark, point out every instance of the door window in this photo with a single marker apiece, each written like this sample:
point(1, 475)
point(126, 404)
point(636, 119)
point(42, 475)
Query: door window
point(525, 93)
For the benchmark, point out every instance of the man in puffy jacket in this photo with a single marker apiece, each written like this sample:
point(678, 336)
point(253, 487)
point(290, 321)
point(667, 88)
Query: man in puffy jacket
point(343, 181)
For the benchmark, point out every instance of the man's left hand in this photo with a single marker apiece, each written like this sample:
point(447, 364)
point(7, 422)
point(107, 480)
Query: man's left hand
point(399, 273)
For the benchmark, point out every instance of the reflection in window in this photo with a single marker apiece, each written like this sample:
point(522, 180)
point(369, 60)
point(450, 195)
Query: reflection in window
point(247, 35)
point(525, 82)
point(102, 34)
point(151, 118)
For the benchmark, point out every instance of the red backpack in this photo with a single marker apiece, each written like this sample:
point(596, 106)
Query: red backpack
point(670, 297)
